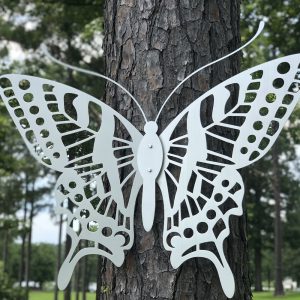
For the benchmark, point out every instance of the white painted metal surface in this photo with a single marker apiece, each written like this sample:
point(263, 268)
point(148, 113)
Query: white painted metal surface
point(149, 162)
point(199, 181)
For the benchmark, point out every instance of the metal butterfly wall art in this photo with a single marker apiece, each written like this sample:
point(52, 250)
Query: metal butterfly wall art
point(200, 183)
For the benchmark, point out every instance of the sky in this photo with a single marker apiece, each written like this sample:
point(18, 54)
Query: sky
point(44, 229)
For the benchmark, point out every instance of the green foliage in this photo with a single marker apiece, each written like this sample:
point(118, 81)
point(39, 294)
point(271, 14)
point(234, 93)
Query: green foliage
point(280, 37)
point(71, 30)
point(5, 287)
point(282, 29)
point(37, 295)
point(7, 292)
point(43, 263)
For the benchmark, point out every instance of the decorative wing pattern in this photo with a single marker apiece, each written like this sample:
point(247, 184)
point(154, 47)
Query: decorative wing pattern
point(206, 144)
point(102, 171)
point(77, 135)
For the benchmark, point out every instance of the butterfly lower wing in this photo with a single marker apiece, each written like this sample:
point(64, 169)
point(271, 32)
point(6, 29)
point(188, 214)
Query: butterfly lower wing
point(197, 204)
point(99, 183)
point(199, 180)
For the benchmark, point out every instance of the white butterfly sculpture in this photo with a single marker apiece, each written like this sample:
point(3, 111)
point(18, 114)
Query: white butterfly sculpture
point(196, 171)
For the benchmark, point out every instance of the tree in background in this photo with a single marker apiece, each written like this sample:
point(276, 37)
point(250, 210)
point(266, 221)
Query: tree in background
point(7, 291)
point(10, 184)
point(281, 36)
point(72, 32)
point(43, 263)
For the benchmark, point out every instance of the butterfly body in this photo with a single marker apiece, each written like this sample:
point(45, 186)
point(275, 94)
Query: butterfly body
point(149, 162)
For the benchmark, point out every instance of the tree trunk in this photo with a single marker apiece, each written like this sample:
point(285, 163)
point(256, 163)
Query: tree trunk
point(68, 245)
point(84, 273)
point(24, 234)
point(5, 248)
point(257, 209)
point(70, 81)
point(22, 258)
point(99, 278)
point(29, 247)
point(77, 277)
point(149, 47)
point(277, 223)
point(269, 279)
point(58, 262)
point(258, 261)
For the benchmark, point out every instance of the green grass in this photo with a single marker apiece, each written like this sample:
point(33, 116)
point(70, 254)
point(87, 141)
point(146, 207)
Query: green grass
point(269, 296)
point(91, 296)
point(37, 295)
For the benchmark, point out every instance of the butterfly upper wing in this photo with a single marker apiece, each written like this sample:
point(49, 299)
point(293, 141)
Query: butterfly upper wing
point(218, 135)
point(98, 166)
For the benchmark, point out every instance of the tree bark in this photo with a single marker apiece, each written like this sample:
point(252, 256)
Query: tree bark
point(150, 46)
point(258, 260)
point(277, 224)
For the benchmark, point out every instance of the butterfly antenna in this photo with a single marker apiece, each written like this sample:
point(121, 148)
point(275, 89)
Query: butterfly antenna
point(259, 30)
point(65, 65)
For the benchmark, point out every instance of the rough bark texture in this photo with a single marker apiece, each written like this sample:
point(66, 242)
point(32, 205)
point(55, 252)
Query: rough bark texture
point(150, 46)
point(277, 224)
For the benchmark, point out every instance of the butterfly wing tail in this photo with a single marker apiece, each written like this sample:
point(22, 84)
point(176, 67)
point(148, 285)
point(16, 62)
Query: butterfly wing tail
point(70, 262)
point(67, 268)
point(91, 230)
point(219, 261)
point(226, 278)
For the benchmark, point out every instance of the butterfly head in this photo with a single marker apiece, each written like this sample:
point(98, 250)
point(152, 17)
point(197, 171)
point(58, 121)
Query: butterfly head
point(150, 127)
